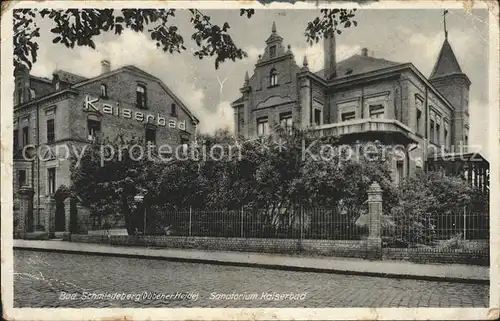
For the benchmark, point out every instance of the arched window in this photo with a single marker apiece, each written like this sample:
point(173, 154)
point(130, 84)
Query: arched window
point(141, 96)
point(273, 77)
point(104, 90)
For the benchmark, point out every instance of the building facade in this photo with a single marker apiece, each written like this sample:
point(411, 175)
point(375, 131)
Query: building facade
point(361, 98)
point(70, 110)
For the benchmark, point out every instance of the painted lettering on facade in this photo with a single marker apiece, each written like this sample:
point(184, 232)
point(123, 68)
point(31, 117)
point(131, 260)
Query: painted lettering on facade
point(92, 104)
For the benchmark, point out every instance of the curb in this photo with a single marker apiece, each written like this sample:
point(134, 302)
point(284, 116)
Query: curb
point(267, 266)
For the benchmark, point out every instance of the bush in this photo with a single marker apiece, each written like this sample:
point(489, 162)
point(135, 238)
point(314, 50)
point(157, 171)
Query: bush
point(427, 202)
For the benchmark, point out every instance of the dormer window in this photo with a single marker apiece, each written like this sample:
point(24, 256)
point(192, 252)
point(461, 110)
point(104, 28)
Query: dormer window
point(104, 91)
point(58, 85)
point(141, 96)
point(272, 51)
point(273, 78)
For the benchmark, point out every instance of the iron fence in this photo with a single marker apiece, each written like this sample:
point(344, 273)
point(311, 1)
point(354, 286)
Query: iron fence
point(463, 231)
point(466, 231)
point(248, 223)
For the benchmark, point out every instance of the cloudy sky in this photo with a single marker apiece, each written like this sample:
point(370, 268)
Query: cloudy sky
point(398, 35)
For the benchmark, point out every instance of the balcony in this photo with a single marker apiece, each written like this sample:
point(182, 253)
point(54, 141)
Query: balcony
point(384, 130)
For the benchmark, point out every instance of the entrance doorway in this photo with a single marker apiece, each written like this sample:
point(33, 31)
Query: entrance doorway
point(60, 217)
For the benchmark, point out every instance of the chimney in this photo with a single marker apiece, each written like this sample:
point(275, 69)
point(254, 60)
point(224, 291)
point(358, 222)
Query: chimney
point(330, 59)
point(105, 66)
point(364, 52)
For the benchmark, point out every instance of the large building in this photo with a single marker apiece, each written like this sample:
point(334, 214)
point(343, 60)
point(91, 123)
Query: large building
point(70, 110)
point(361, 98)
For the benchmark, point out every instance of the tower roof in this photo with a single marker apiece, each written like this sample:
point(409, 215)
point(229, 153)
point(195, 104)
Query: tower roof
point(446, 62)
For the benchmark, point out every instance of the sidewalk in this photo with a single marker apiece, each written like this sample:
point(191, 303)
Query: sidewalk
point(393, 269)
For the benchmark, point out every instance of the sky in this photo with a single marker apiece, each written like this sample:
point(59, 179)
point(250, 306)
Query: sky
point(414, 36)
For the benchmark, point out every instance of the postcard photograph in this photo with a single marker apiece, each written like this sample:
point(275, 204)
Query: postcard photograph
point(249, 158)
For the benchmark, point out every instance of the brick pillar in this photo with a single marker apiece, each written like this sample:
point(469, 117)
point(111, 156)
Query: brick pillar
point(67, 214)
point(374, 214)
point(83, 215)
point(25, 195)
point(49, 216)
point(304, 102)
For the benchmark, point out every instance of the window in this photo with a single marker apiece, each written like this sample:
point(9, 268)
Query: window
point(317, 117)
point(21, 176)
point(419, 120)
point(262, 126)
point(173, 111)
point(273, 78)
point(376, 111)
point(399, 171)
point(19, 93)
point(151, 136)
point(58, 85)
point(50, 131)
point(141, 97)
point(446, 136)
point(184, 144)
point(432, 131)
point(286, 121)
point(272, 51)
point(241, 120)
point(51, 180)
point(348, 116)
point(104, 91)
point(26, 136)
point(438, 134)
point(15, 145)
point(94, 129)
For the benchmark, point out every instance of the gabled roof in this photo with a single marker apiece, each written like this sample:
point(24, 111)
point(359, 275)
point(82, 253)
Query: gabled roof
point(358, 64)
point(237, 101)
point(136, 70)
point(68, 77)
point(446, 62)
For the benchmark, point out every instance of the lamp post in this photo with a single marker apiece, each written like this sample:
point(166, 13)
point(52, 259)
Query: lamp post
point(139, 198)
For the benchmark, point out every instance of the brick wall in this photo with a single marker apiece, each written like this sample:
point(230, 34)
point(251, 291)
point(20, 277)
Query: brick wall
point(446, 257)
point(283, 246)
point(353, 249)
point(122, 93)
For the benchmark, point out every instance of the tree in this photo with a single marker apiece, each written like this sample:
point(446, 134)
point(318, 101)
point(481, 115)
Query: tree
point(270, 177)
point(80, 26)
point(108, 188)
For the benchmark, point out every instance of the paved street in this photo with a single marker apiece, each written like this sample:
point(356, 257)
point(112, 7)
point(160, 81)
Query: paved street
point(45, 279)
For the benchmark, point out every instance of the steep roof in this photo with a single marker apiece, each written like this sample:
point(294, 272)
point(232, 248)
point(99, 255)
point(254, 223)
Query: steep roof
point(446, 62)
point(68, 77)
point(358, 64)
